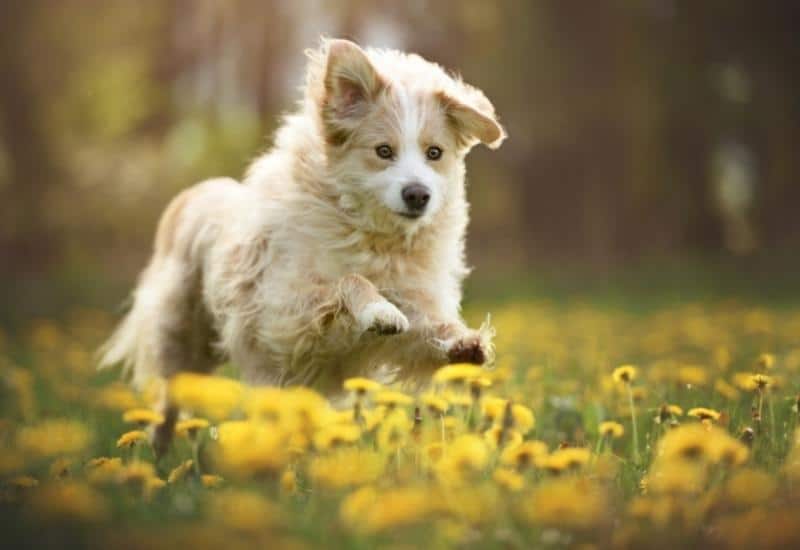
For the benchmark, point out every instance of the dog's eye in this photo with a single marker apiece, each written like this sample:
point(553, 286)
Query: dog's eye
point(433, 153)
point(384, 151)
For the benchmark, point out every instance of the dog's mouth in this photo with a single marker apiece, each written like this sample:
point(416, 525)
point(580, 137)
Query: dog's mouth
point(410, 215)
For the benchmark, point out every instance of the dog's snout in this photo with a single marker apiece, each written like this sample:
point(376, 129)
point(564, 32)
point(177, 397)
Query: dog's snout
point(416, 196)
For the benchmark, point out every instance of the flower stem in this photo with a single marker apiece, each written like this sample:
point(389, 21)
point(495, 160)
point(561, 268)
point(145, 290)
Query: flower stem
point(636, 457)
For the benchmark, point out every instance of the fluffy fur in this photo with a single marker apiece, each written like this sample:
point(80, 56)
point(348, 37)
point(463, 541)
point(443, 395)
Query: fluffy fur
point(313, 270)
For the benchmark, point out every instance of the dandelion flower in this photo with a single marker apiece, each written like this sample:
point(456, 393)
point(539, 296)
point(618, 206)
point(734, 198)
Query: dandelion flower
point(244, 511)
point(215, 396)
point(68, 501)
point(390, 399)
point(211, 481)
point(499, 437)
point(337, 435)
point(246, 448)
point(611, 429)
point(53, 438)
point(523, 455)
point(624, 374)
point(457, 373)
point(190, 427)
point(129, 439)
point(765, 361)
point(361, 386)
point(142, 417)
point(568, 458)
point(566, 502)
point(750, 487)
point(703, 413)
point(435, 404)
point(346, 468)
point(508, 479)
point(288, 482)
point(180, 472)
point(761, 381)
point(394, 431)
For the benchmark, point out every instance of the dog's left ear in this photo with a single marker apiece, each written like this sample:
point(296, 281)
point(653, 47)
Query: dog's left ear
point(351, 85)
point(476, 123)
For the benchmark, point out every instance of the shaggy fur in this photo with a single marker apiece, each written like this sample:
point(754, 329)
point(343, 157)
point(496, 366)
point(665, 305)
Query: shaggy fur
point(313, 270)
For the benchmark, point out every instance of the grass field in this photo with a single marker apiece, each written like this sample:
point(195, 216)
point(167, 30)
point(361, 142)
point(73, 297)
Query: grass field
point(600, 425)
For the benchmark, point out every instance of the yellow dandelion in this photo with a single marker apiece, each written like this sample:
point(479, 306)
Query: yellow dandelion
point(23, 482)
point(499, 437)
point(215, 396)
point(289, 482)
point(750, 487)
point(727, 450)
point(68, 501)
point(361, 386)
point(348, 467)
point(129, 439)
point(522, 418)
point(190, 427)
point(508, 479)
point(390, 399)
point(211, 481)
point(397, 508)
point(337, 435)
point(458, 373)
point(688, 441)
point(677, 477)
point(668, 412)
point(394, 431)
point(246, 448)
point(523, 455)
point(180, 472)
point(568, 458)
point(459, 399)
point(493, 408)
point(53, 438)
point(704, 413)
point(103, 470)
point(468, 454)
point(761, 381)
point(117, 397)
point(726, 390)
point(611, 429)
point(356, 506)
point(242, 510)
point(692, 375)
point(142, 417)
point(566, 502)
point(624, 374)
point(435, 404)
point(765, 361)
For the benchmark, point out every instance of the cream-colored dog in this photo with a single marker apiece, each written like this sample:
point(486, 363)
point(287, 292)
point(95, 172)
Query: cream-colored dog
point(341, 254)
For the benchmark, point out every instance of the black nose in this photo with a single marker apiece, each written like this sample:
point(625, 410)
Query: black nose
point(416, 197)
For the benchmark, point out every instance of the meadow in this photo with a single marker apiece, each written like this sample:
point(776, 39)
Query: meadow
point(597, 426)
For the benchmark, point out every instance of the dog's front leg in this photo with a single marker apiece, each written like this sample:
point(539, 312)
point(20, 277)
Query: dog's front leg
point(370, 310)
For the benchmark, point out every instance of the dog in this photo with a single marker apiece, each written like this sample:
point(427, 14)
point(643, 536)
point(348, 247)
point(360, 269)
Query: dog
point(342, 251)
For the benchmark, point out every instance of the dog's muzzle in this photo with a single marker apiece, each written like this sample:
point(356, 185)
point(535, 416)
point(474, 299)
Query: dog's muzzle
point(416, 197)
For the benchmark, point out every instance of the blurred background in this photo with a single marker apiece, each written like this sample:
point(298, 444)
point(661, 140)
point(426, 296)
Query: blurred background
point(652, 142)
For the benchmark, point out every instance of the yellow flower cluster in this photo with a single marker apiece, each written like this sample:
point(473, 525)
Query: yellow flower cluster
point(563, 442)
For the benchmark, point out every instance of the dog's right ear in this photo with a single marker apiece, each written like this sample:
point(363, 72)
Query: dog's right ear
point(351, 84)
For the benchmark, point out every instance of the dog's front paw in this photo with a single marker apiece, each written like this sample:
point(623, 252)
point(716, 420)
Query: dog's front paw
point(468, 349)
point(383, 318)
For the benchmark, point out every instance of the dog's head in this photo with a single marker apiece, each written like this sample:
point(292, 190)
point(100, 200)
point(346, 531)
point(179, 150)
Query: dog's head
point(397, 129)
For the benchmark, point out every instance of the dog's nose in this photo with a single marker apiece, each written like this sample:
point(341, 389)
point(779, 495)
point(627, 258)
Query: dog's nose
point(416, 197)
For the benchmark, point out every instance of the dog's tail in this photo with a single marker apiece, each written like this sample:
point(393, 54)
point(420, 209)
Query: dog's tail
point(131, 344)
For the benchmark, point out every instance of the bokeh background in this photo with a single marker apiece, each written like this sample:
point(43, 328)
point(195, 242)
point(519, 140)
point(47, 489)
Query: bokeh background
point(654, 143)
